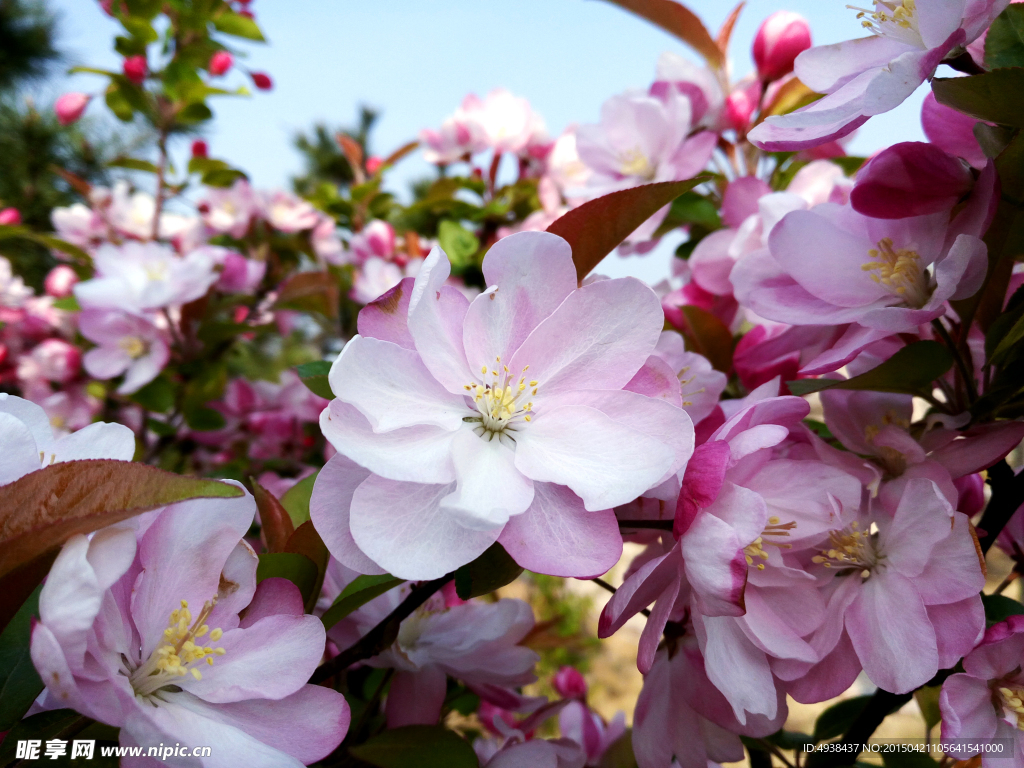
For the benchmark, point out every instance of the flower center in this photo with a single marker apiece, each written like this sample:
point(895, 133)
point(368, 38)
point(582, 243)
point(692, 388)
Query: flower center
point(133, 346)
point(683, 382)
point(180, 655)
point(896, 19)
point(635, 163)
point(498, 401)
point(899, 271)
point(1011, 700)
point(775, 528)
point(850, 549)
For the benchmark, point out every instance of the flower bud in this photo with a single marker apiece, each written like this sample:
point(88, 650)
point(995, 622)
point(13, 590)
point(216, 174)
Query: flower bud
point(569, 683)
point(910, 179)
point(60, 281)
point(781, 38)
point(70, 106)
point(740, 105)
point(10, 217)
point(373, 164)
point(135, 69)
point(261, 81)
point(199, 148)
point(220, 63)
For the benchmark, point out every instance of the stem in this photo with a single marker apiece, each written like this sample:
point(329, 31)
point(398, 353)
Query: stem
point(373, 703)
point(961, 364)
point(382, 635)
point(161, 183)
point(492, 176)
point(661, 525)
point(1007, 496)
point(1006, 582)
point(965, 63)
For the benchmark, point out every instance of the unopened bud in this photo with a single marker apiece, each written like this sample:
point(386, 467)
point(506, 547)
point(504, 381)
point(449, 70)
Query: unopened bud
point(220, 63)
point(569, 683)
point(373, 164)
point(261, 81)
point(60, 281)
point(70, 106)
point(910, 179)
point(135, 69)
point(781, 38)
point(10, 217)
point(199, 148)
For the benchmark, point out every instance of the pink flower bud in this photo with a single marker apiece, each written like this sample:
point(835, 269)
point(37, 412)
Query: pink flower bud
point(135, 69)
point(199, 148)
point(70, 106)
point(220, 63)
point(781, 38)
point(60, 282)
point(910, 179)
point(261, 81)
point(56, 360)
point(10, 217)
point(373, 164)
point(247, 13)
point(569, 683)
point(741, 105)
point(107, 6)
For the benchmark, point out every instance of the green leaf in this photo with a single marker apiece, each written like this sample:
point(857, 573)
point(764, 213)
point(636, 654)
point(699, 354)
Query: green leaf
point(40, 511)
point(927, 698)
point(910, 371)
point(53, 724)
point(417, 746)
point(296, 500)
point(140, 29)
point(357, 594)
point(119, 104)
point(789, 739)
point(907, 760)
point(314, 376)
point(157, 396)
point(223, 178)
point(203, 419)
point(298, 569)
point(492, 570)
point(231, 23)
point(835, 720)
point(993, 96)
point(1004, 44)
point(692, 208)
point(194, 113)
point(457, 242)
point(597, 227)
point(133, 164)
point(19, 681)
point(67, 304)
point(999, 608)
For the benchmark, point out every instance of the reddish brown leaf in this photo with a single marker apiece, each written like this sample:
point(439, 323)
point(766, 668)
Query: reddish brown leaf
point(725, 33)
point(677, 20)
point(306, 541)
point(597, 227)
point(793, 94)
point(41, 510)
point(275, 521)
point(310, 292)
point(399, 153)
point(17, 585)
point(354, 154)
point(706, 335)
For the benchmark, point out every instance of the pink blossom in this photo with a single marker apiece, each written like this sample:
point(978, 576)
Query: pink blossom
point(28, 442)
point(79, 224)
point(238, 274)
point(325, 241)
point(951, 131)
point(10, 217)
point(903, 596)
point(229, 210)
point(286, 212)
point(220, 63)
point(587, 728)
point(504, 417)
point(569, 683)
point(910, 179)
point(831, 265)
point(780, 38)
point(682, 378)
point(137, 277)
point(118, 639)
point(60, 281)
point(460, 135)
point(135, 69)
point(378, 276)
point(872, 75)
point(69, 107)
point(127, 344)
point(741, 103)
point(549, 753)
point(53, 360)
point(70, 409)
point(508, 122)
point(476, 642)
point(701, 85)
point(13, 291)
point(984, 701)
point(375, 239)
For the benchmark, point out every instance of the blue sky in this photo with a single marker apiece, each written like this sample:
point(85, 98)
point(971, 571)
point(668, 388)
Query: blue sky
point(414, 60)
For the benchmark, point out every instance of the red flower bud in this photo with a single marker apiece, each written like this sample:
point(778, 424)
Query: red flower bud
point(199, 148)
point(135, 69)
point(373, 164)
point(220, 63)
point(569, 683)
point(781, 38)
point(261, 81)
point(70, 106)
point(10, 217)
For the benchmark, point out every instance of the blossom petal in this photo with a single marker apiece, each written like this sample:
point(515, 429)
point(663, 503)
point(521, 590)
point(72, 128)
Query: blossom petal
point(559, 537)
point(736, 666)
point(403, 528)
point(603, 461)
point(387, 318)
point(959, 627)
point(109, 441)
point(437, 315)
point(329, 509)
point(967, 711)
point(826, 67)
point(489, 489)
point(19, 449)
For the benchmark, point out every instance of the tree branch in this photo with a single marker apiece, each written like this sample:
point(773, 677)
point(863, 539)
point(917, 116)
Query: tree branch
point(1007, 496)
point(382, 635)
